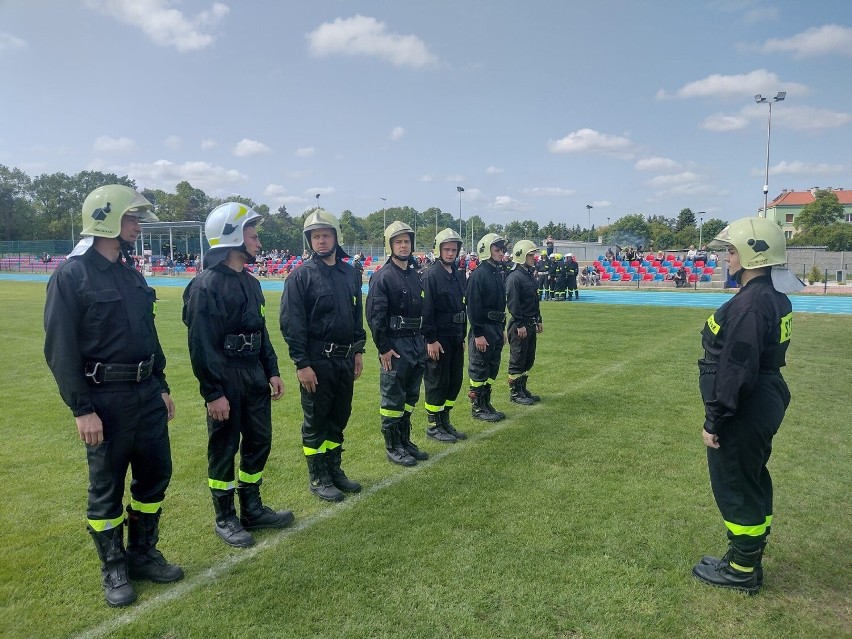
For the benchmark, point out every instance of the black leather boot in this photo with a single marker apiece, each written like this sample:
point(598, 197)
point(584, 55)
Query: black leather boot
point(320, 482)
point(709, 560)
point(525, 391)
point(396, 452)
point(736, 570)
point(478, 408)
point(445, 418)
point(405, 437)
point(254, 515)
point(118, 590)
point(489, 406)
point(435, 430)
point(143, 559)
point(338, 477)
point(228, 527)
point(516, 395)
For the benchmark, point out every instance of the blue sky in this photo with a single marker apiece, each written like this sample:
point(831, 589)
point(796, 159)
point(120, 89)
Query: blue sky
point(536, 109)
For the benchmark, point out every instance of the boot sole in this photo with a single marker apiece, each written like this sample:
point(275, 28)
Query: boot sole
point(333, 500)
point(751, 591)
point(487, 419)
point(245, 544)
point(121, 604)
point(443, 441)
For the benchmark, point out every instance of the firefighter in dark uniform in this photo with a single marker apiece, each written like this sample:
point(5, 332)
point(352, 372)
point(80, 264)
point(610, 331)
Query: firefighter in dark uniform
point(542, 268)
point(522, 300)
point(102, 347)
point(486, 312)
point(322, 321)
point(444, 328)
point(745, 396)
point(237, 371)
point(394, 313)
point(572, 270)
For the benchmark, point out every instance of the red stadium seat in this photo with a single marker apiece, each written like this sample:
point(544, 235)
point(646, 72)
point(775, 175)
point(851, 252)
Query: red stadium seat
point(647, 277)
point(708, 270)
point(693, 278)
point(605, 276)
point(699, 263)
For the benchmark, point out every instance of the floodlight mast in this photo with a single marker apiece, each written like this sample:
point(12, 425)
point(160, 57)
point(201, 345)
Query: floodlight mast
point(761, 100)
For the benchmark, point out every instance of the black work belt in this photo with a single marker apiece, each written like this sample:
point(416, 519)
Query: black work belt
point(496, 316)
point(330, 349)
point(243, 342)
point(525, 321)
point(99, 372)
point(451, 318)
point(400, 323)
point(710, 367)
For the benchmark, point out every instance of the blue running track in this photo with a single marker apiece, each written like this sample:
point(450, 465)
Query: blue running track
point(828, 304)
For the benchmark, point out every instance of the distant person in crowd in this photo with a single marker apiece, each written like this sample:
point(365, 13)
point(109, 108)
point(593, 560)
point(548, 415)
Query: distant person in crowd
point(444, 328)
point(486, 313)
point(322, 320)
point(572, 270)
point(691, 253)
point(548, 245)
point(680, 277)
point(542, 269)
point(102, 347)
point(745, 397)
point(610, 256)
point(522, 300)
point(701, 254)
point(395, 317)
point(237, 371)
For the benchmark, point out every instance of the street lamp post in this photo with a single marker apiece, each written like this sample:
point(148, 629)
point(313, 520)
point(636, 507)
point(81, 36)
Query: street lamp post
point(589, 207)
point(384, 218)
point(701, 215)
point(460, 190)
point(761, 100)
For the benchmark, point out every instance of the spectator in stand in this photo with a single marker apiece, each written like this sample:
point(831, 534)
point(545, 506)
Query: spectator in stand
point(548, 244)
point(661, 255)
point(691, 253)
point(701, 255)
point(713, 257)
point(679, 278)
point(610, 256)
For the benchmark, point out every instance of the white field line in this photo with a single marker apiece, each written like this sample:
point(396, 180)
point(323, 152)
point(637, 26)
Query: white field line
point(190, 584)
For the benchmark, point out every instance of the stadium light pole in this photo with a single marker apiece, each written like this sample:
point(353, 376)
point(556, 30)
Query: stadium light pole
point(701, 215)
point(761, 100)
point(460, 190)
point(589, 207)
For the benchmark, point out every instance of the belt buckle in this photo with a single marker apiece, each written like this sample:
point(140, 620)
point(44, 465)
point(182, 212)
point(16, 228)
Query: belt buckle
point(93, 374)
point(329, 348)
point(247, 343)
point(348, 350)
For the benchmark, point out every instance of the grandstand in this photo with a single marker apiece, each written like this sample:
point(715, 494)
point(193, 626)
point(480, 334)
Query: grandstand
point(658, 273)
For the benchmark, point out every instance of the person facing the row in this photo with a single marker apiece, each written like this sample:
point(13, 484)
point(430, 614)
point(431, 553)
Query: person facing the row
point(523, 303)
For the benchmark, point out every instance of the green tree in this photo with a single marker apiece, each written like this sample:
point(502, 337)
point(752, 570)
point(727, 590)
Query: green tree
point(630, 230)
point(825, 210)
point(16, 212)
point(685, 219)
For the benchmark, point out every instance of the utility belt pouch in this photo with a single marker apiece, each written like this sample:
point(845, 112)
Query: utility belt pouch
point(459, 318)
point(400, 323)
point(496, 316)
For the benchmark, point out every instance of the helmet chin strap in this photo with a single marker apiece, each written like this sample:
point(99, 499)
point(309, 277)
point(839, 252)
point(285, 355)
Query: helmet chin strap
point(250, 259)
point(738, 276)
point(126, 248)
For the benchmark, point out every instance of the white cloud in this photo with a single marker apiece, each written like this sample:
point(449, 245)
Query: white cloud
point(173, 142)
point(548, 191)
point(107, 144)
point(730, 86)
point(657, 164)
point(362, 35)
point(305, 152)
point(247, 148)
point(8, 42)
point(164, 25)
point(601, 204)
point(164, 174)
point(456, 178)
point(803, 168)
point(208, 143)
point(427, 178)
point(274, 190)
point(493, 170)
point(397, 133)
point(803, 118)
point(591, 140)
point(825, 40)
point(506, 203)
point(668, 180)
point(724, 122)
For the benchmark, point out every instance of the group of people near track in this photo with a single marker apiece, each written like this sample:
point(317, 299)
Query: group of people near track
point(102, 346)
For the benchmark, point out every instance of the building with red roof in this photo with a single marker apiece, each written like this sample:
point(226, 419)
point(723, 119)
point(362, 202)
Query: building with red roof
point(784, 208)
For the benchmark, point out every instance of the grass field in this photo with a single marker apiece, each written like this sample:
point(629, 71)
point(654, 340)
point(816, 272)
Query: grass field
point(580, 517)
